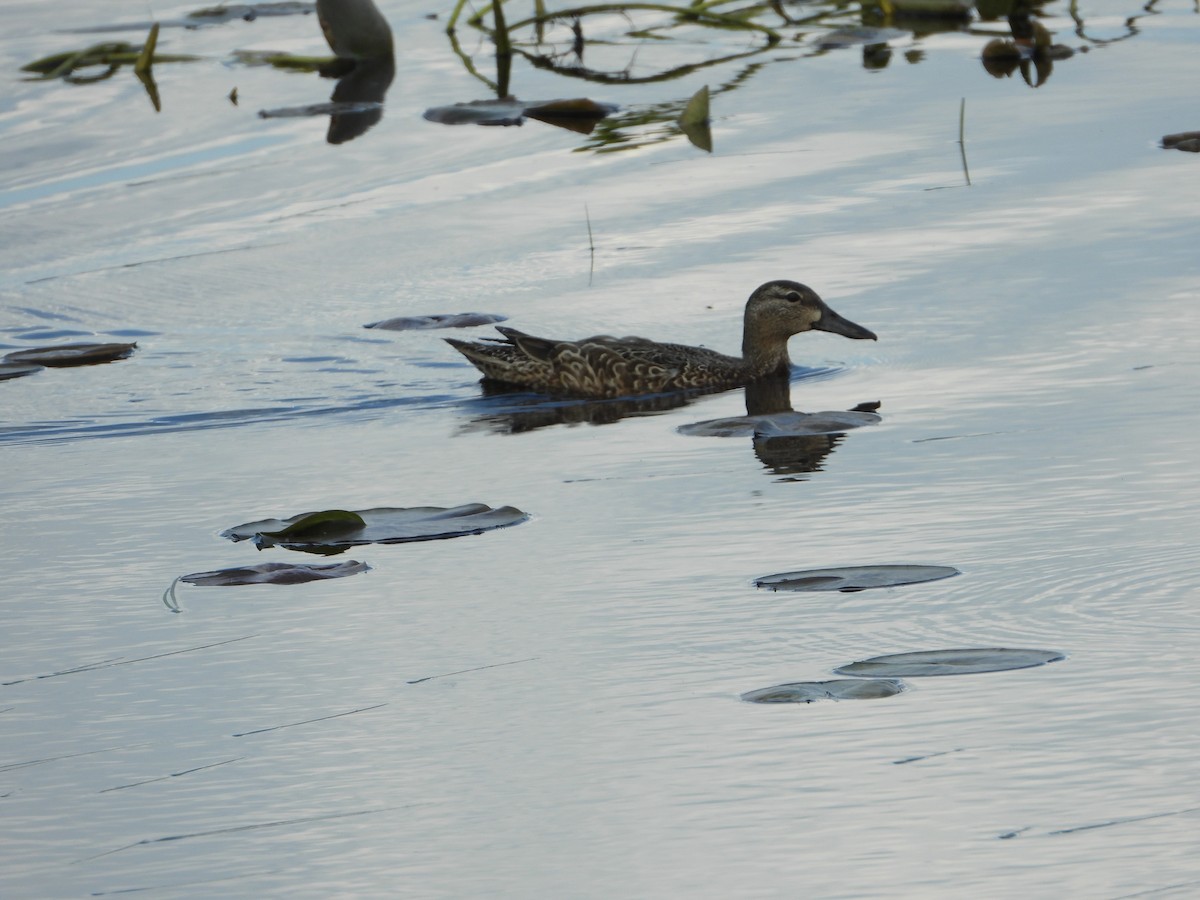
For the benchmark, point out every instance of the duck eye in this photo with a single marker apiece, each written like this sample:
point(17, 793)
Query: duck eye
point(793, 297)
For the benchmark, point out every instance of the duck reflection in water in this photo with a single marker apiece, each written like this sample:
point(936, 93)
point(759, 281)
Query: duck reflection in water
point(361, 38)
point(785, 441)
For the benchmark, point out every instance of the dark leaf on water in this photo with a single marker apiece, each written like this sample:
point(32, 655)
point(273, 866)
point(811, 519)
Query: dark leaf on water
point(950, 662)
point(316, 526)
point(275, 573)
point(443, 320)
point(71, 354)
point(332, 531)
point(837, 689)
point(577, 115)
point(16, 370)
point(1186, 140)
point(854, 578)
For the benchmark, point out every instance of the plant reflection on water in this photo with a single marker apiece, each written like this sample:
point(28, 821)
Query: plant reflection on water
point(618, 40)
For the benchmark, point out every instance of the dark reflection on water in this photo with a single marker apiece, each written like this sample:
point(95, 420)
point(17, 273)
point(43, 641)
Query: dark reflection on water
point(506, 409)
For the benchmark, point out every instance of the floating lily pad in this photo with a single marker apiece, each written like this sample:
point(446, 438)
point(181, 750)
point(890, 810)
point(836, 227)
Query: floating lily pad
point(16, 370)
point(783, 424)
point(837, 689)
point(1185, 140)
point(332, 531)
point(71, 354)
point(442, 320)
point(510, 111)
point(275, 573)
point(950, 662)
point(854, 578)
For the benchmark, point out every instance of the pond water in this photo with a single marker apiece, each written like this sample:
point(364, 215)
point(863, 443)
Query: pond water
point(554, 708)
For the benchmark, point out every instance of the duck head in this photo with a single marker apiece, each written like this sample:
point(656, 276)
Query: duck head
point(779, 309)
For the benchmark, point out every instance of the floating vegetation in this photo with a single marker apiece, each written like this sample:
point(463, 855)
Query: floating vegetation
point(949, 662)
point(264, 573)
point(62, 355)
point(16, 370)
point(333, 531)
point(857, 35)
point(288, 61)
point(783, 424)
point(1186, 140)
point(579, 114)
point(110, 56)
point(837, 689)
point(854, 578)
point(440, 320)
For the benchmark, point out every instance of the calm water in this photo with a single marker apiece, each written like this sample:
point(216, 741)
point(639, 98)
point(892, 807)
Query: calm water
point(1037, 368)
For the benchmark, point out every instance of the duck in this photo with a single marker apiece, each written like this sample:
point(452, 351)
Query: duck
point(605, 367)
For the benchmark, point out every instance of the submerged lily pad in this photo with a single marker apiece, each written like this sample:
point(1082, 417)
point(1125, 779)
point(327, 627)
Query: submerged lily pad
point(16, 370)
point(275, 573)
point(837, 689)
point(440, 320)
point(854, 578)
point(332, 531)
point(783, 424)
point(71, 354)
point(950, 662)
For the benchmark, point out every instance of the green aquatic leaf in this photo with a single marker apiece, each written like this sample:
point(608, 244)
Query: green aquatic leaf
point(440, 320)
point(694, 121)
point(318, 525)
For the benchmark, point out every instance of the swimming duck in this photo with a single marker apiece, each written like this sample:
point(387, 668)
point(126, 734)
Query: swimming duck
point(602, 367)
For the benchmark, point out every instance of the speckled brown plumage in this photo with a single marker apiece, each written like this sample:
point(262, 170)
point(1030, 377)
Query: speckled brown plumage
point(605, 366)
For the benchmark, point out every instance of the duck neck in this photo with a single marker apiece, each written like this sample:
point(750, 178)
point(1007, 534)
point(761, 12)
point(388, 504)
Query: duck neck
point(764, 354)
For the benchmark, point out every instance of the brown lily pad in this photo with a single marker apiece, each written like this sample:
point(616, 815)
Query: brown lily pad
point(950, 662)
point(836, 689)
point(333, 531)
point(441, 320)
point(854, 578)
point(62, 355)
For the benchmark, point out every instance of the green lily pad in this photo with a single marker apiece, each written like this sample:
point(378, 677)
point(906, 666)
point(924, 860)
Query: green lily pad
point(854, 578)
point(440, 320)
point(836, 689)
point(62, 355)
point(332, 531)
point(949, 662)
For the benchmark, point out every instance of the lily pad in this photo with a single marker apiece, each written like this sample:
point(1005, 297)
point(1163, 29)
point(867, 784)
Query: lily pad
point(1185, 140)
point(565, 113)
point(71, 354)
point(441, 320)
point(837, 689)
point(16, 370)
point(275, 573)
point(332, 531)
point(950, 662)
point(854, 578)
point(783, 424)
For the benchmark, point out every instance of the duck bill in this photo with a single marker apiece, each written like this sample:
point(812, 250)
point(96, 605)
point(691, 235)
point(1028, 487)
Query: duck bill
point(836, 324)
